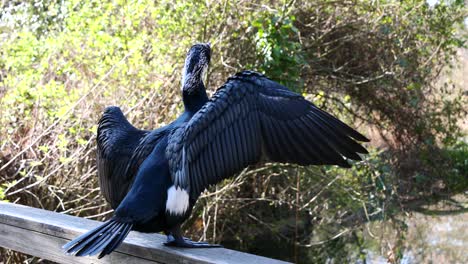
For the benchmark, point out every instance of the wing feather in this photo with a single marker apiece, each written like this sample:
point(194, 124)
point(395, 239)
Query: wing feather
point(121, 148)
point(116, 141)
point(251, 116)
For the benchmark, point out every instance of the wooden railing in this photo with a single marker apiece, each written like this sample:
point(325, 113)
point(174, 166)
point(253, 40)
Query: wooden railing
point(42, 233)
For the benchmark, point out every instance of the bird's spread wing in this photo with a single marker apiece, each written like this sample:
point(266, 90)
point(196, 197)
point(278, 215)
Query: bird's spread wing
point(251, 116)
point(121, 148)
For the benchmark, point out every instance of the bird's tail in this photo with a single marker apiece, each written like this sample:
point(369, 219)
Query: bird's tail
point(103, 239)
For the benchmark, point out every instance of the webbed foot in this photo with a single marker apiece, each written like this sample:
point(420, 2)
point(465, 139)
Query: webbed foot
point(187, 243)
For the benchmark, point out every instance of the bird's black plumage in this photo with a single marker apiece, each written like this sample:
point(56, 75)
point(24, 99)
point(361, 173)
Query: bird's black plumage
point(153, 178)
point(251, 116)
point(117, 142)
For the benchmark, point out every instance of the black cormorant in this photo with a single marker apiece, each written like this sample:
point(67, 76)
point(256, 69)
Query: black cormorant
point(152, 179)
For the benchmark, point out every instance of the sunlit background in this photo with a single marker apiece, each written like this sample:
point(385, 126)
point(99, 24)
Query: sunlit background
point(394, 70)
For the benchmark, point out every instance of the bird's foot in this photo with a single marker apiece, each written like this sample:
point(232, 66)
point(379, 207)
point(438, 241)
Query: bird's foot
point(187, 243)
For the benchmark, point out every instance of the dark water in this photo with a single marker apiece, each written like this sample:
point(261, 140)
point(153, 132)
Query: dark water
point(438, 234)
point(430, 232)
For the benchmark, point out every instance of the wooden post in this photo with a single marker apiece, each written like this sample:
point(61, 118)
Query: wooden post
point(42, 233)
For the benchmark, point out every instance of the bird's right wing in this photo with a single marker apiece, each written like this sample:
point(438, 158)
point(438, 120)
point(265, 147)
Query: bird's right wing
point(121, 148)
point(251, 116)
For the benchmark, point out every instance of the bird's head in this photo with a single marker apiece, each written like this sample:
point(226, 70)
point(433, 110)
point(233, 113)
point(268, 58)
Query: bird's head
point(196, 65)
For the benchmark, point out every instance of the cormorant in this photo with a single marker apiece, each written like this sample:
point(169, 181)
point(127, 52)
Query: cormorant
point(152, 179)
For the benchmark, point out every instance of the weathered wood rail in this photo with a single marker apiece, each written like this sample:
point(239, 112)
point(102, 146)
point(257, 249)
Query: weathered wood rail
point(42, 233)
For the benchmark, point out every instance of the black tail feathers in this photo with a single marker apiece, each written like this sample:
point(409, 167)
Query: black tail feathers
point(103, 239)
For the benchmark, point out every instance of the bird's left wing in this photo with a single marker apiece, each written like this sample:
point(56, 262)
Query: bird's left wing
point(121, 148)
point(251, 116)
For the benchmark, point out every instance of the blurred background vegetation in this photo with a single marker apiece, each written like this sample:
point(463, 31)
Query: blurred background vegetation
point(395, 70)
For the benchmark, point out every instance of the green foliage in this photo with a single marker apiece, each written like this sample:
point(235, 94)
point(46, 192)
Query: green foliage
point(278, 48)
point(387, 58)
point(2, 193)
point(457, 169)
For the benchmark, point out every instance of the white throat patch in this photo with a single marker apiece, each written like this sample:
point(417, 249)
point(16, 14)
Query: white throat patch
point(177, 201)
point(184, 78)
